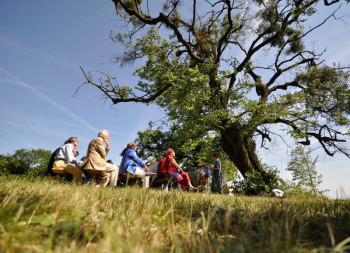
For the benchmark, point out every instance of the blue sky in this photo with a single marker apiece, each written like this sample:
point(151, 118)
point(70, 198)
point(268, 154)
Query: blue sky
point(42, 45)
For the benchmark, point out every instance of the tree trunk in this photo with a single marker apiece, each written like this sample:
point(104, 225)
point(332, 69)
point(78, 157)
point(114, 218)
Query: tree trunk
point(241, 150)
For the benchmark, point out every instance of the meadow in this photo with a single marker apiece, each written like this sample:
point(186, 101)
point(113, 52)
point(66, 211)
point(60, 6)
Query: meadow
point(39, 215)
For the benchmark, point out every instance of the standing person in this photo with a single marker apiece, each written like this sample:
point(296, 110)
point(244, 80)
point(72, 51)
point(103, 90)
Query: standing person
point(65, 160)
point(132, 164)
point(174, 171)
point(216, 183)
point(206, 169)
point(95, 159)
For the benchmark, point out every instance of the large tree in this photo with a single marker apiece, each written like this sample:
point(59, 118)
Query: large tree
point(153, 143)
point(238, 69)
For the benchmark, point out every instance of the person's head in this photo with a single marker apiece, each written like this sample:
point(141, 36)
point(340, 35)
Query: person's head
point(132, 145)
point(110, 161)
point(148, 164)
point(83, 158)
point(215, 156)
point(75, 152)
point(104, 134)
point(170, 153)
point(72, 140)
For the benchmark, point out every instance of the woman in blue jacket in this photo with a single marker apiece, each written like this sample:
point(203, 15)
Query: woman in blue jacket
point(132, 164)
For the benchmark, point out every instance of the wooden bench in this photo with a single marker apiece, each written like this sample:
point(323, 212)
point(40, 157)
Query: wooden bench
point(164, 183)
point(93, 175)
point(124, 179)
point(162, 180)
point(60, 174)
point(58, 170)
point(127, 178)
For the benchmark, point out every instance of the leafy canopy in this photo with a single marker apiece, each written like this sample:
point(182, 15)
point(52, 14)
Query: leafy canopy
point(238, 69)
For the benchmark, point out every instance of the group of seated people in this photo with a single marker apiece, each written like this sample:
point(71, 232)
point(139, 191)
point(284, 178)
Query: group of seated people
point(63, 159)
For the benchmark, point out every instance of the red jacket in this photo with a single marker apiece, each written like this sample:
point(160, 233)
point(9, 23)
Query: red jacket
point(169, 167)
point(161, 168)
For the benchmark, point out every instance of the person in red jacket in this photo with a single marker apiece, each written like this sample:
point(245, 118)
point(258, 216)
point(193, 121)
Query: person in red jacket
point(174, 171)
point(161, 171)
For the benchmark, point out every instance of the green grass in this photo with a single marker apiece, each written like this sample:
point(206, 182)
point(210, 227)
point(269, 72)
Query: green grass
point(38, 215)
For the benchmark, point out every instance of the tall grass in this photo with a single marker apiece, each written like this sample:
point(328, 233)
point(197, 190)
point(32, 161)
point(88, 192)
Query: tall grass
point(48, 216)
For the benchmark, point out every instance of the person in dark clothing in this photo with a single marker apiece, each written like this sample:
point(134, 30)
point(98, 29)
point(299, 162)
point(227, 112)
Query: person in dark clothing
point(49, 172)
point(216, 183)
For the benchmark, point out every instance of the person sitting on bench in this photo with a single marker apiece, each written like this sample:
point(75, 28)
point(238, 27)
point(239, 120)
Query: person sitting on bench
point(65, 160)
point(95, 159)
point(132, 164)
point(174, 171)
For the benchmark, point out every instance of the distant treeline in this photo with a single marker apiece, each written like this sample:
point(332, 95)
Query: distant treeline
point(25, 162)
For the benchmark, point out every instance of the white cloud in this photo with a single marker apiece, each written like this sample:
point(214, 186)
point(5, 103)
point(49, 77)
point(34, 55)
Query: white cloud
point(19, 82)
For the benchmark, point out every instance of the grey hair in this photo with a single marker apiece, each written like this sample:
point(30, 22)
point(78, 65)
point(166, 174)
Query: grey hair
point(131, 144)
point(103, 132)
point(71, 140)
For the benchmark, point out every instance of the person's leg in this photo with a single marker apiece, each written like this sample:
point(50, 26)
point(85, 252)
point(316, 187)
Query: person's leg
point(146, 180)
point(187, 181)
point(114, 174)
point(175, 177)
point(58, 166)
point(76, 172)
point(140, 173)
point(106, 177)
point(180, 179)
point(183, 184)
point(208, 184)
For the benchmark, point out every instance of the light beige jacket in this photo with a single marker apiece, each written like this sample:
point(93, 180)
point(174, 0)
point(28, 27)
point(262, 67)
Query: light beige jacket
point(96, 155)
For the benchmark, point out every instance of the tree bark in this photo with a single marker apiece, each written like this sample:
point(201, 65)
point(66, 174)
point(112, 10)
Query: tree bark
point(241, 150)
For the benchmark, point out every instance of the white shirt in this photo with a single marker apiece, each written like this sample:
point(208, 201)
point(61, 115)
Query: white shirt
point(66, 153)
point(154, 168)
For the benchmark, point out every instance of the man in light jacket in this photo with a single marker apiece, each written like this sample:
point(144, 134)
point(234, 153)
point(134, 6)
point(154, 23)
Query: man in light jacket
point(96, 159)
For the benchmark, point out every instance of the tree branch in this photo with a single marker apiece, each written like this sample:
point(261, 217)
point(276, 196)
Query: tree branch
point(162, 18)
point(325, 141)
point(116, 96)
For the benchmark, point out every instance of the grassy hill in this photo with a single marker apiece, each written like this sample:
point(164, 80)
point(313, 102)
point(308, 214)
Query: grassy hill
point(38, 215)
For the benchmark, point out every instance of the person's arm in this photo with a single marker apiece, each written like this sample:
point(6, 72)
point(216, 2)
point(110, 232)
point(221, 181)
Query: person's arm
point(217, 165)
point(138, 161)
point(178, 168)
point(68, 152)
point(100, 148)
point(107, 147)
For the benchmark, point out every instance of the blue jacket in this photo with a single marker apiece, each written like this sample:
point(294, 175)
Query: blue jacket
point(129, 162)
point(207, 171)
